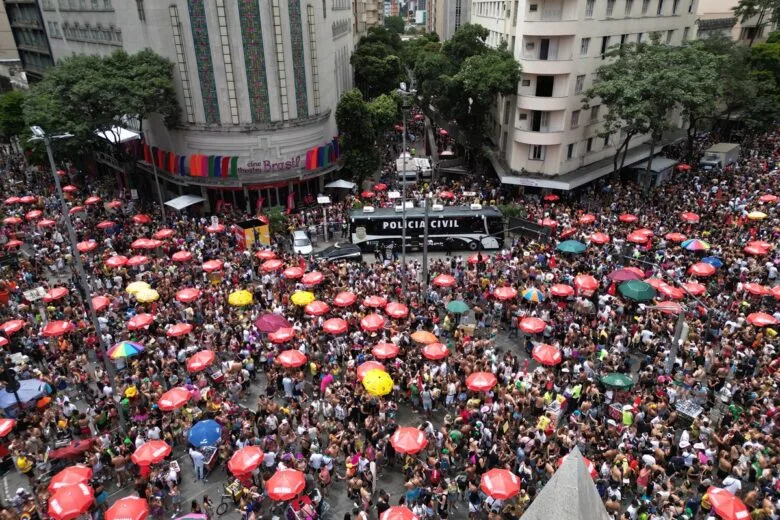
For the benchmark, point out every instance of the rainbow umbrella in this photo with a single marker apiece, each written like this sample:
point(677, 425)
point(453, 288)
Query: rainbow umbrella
point(694, 244)
point(125, 349)
point(533, 295)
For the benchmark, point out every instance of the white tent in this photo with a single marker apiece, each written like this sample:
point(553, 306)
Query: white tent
point(184, 201)
point(569, 495)
point(118, 135)
point(341, 184)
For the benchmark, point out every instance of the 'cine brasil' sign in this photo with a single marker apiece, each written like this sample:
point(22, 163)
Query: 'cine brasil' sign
point(420, 224)
point(254, 167)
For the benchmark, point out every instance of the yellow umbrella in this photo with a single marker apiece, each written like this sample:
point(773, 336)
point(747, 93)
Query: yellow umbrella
point(424, 337)
point(756, 215)
point(147, 295)
point(302, 298)
point(377, 382)
point(240, 298)
point(137, 286)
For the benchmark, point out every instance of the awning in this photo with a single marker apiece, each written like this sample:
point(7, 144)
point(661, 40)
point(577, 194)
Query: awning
point(341, 184)
point(118, 135)
point(185, 201)
point(659, 164)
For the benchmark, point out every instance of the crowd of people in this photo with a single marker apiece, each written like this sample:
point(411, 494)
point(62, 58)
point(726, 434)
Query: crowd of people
point(654, 446)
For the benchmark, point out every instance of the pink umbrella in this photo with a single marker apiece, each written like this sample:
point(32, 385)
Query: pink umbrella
point(397, 310)
point(372, 323)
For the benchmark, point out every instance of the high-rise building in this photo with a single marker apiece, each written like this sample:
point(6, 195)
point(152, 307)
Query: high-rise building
point(716, 17)
point(544, 136)
point(12, 74)
point(258, 83)
point(446, 16)
point(26, 24)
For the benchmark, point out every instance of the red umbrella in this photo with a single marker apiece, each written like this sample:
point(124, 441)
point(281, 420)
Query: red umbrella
point(532, 325)
point(151, 452)
point(692, 218)
point(444, 280)
point(13, 243)
point(599, 238)
point(644, 231)
point(181, 256)
point(174, 399)
point(775, 291)
point(701, 269)
point(505, 293)
point(626, 274)
point(201, 360)
point(3, 342)
point(163, 233)
point(291, 358)
point(115, 204)
point(500, 484)
point(375, 302)
point(587, 218)
point(190, 294)
point(47, 222)
point(55, 293)
point(140, 321)
point(552, 197)
point(215, 228)
point(12, 221)
point(128, 508)
point(368, 194)
point(69, 476)
point(548, 222)
point(316, 308)
point(477, 258)
point(372, 322)
point(481, 381)
point(344, 299)
point(142, 219)
point(12, 200)
point(726, 505)
point(335, 326)
point(397, 311)
point(70, 502)
point(145, 243)
point(562, 290)
point(768, 198)
point(761, 319)
point(285, 484)
point(443, 132)
point(637, 238)
point(11, 326)
point(137, 260)
point(293, 273)
point(628, 218)
point(588, 464)
point(385, 351)
point(761, 244)
point(446, 195)
point(671, 292)
point(312, 278)
point(547, 354)
point(32, 215)
point(75, 209)
point(435, 351)
point(693, 288)
point(398, 512)
point(6, 425)
point(408, 440)
point(180, 329)
point(91, 201)
point(265, 254)
point(106, 224)
point(755, 251)
point(668, 307)
point(86, 246)
point(380, 186)
point(116, 261)
point(756, 289)
point(655, 283)
point(57, 328)
point(272, 265)
point(683, 167)
point(245, 460)
point(282, 335)
point(212, 265)
point(368, 366)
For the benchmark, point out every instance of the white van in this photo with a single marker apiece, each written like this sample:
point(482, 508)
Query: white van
point(301, 243)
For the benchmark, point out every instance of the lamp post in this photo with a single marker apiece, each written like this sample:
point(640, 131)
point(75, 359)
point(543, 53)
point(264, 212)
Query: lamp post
point(404, 96)
point(40, 135)
point(428, 200)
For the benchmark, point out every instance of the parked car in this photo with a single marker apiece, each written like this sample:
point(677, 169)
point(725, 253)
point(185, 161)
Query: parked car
point(340, 251)
point(301, 243)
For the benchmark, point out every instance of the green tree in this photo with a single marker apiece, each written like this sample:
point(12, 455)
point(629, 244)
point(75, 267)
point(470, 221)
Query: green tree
point(699, 86)
point(384, 112)
point(356, 123)
point(395, 24)
point(12, 114)
point(376, 62)
point(765, 12)
point(468, 40)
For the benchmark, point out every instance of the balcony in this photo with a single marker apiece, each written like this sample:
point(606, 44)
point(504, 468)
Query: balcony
point(26, 24)
point(548, 138)
point(40, 49)
point(543, 104)
point(546, 67)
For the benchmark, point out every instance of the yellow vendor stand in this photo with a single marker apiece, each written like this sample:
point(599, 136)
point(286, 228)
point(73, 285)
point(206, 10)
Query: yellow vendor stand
point(250, 231)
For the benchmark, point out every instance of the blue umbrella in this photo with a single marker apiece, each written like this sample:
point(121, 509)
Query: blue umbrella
point(714, 261)
point(205, 433)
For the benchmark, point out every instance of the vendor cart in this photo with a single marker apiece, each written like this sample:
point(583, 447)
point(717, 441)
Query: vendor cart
point(211, 458)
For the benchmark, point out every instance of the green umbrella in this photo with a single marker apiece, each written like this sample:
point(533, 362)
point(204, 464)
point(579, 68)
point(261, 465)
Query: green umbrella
point(616, 380)
point(457, 306)
point(571, 246)
point(637, 290)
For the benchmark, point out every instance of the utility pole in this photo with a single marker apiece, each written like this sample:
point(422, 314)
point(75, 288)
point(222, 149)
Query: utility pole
point(427, 201)
point(676, 340)
point(157, 182)
point(404, 96)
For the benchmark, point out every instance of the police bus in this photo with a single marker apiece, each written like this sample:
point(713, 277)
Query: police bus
point(450, 228)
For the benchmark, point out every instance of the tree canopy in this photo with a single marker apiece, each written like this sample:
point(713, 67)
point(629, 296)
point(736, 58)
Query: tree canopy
point(357, 122)
point(376, 62)
point(12, 114)
point(764, 11)
point(395, 24)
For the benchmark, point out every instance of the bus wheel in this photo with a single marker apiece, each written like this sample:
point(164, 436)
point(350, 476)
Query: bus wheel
point(473, 245)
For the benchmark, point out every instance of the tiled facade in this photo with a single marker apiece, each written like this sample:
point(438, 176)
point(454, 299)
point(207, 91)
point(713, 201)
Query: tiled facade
point(254, 60)
point(200, 39)
point(299, 58)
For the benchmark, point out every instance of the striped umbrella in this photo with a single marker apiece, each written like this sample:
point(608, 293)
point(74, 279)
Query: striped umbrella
point(533, 295)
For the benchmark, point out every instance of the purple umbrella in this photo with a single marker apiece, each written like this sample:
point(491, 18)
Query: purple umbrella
point(271, 323)
point(624, 275)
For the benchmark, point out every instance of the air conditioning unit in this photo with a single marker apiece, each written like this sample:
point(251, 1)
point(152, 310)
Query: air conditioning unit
point(368, 209)
point(437, 207)
point(476, 207)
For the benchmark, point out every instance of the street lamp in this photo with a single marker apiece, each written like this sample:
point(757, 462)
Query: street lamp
point(40, 135)
point(404, 92)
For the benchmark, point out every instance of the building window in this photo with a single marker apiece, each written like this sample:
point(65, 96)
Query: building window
point(623, 40)
point(107, 4)
point(525, 83)
point(575, 118)
point(610, 7)
point(690, 7)
point(594, 113)
point(606, 141)
point(139, 4)
point(660, 10)
point(604, 45)
point(629, 7)
point(522, 116)
point(645, 6)
point(669, 35)
point(589, 145)
point(675, 5)
point(584, 44)
point(536, 153)
point(570, 151)
point(579, 84)
point(533, 8)
point(181, 61)
point(589, 5)
point(685, 33)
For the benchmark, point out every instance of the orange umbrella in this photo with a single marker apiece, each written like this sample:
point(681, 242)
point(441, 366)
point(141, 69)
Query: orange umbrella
point(291, 358)
point(481, 381)
point(70, 502)
point(77, 474)
point(285, 484)
point(174, 399)
point(128, 508)
point(190, 294)
point(408, 440)
point(385, 351)
point(368, 366)
point(180, 329)
point(201, 360)
point(151, 452)
point(245, 460)
point(424, 337)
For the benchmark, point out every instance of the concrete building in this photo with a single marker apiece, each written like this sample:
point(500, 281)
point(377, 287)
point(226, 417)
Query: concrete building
point(26, 26)
point(446, 16)
point(543, 137)
point(258, 83)
point(716, 17)
point(12, 75)
point(367, 14)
